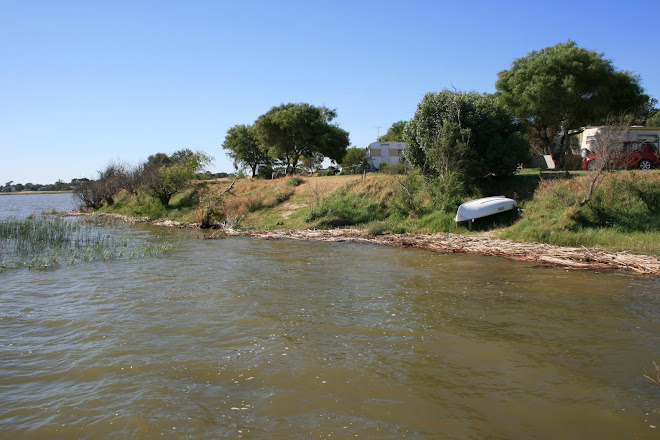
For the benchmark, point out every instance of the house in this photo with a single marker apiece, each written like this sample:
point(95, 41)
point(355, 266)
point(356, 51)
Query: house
point(388, 152)
point(589, 137)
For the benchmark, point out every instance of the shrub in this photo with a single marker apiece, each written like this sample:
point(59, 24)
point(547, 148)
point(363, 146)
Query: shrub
point(254, 204)
point(295, 181)
point(377, 228)
point(283, 196)
point(395, 168)
point(343, 208)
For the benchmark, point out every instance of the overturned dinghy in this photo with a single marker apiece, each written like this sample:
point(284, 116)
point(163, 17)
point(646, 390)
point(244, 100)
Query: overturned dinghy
point(484, 207)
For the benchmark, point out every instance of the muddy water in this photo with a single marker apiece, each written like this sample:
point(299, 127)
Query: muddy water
point(250, 338)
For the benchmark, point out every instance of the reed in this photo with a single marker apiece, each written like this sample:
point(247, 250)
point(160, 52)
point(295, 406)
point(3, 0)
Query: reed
point(43, 242)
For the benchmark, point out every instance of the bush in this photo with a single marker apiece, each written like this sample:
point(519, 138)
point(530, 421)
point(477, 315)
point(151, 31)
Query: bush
point(623, 201)
point(265, 172)
point(283, 196)
point(395, 168)
point(343, 209)
point(295, 181)
point(254, 204)
point(382, 166)
point(377, 228)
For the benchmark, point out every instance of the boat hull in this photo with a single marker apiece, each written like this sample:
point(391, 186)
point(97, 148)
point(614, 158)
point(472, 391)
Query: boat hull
point(484, 207)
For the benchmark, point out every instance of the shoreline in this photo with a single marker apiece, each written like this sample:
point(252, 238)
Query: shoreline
point(582, 258)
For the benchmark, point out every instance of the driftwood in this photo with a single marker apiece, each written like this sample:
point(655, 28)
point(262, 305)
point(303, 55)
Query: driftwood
point(230, 187)
point(548, 255)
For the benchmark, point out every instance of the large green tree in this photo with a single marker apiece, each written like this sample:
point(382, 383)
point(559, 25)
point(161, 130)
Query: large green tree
point(394, 133)
point(290, 132)
point(243, 147)
point(464, 135)
point(559, 89)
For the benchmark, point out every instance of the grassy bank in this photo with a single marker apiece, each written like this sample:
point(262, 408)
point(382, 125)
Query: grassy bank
point(623, 214)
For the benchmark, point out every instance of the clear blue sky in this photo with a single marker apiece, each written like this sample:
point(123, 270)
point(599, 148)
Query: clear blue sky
point(84, 83)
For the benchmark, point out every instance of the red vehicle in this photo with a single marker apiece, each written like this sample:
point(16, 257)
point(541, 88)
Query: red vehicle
point(642, 155)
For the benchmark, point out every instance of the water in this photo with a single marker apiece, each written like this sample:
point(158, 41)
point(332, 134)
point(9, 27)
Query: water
point(21, 205)
point(251, 338)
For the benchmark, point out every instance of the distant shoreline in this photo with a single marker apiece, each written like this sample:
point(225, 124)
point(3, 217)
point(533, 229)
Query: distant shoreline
point(16, 193)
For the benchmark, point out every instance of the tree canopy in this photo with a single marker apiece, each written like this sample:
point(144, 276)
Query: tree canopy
point(465, 134)
point(290, 132)
point(654, 118)
point(394, 133)
point(170, 174)
point(564, 87)
point(354, 161)
point(243, 147)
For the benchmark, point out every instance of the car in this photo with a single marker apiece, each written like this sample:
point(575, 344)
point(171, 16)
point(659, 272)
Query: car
point(642, 155)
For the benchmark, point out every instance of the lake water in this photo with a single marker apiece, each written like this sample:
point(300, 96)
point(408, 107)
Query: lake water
point(249, 338)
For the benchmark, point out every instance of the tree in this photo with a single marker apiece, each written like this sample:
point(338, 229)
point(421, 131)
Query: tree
point(609, 144)
point(654, 118)
point(171, 175)
point(394, 133)
point(465, 135)
point(243, 147)
point(292, 131)
point(561, 88)
point(354, 161)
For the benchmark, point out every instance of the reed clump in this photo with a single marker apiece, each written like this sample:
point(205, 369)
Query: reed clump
point(44, 242)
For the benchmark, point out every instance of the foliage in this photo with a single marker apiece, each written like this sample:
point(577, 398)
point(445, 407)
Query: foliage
point(564, 87)
point(654, 118)
point(265, 172)
point(464, 134)
point(347, 208)
point(169, 175)
point(354, 161)
point(382, 166)
point(92, 194)
point(394, 133)
point(395, 168)
point(290, 132)
point(623, 213)
point(243, 147)
point(295, 181)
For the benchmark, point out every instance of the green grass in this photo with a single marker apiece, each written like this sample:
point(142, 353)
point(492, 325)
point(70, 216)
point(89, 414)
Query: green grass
point(623, 214)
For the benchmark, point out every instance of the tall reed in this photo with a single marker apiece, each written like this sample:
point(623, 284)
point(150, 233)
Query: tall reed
point(42, 242)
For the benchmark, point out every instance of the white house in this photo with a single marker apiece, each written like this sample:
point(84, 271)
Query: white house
point(388, 152)
point(588, 139)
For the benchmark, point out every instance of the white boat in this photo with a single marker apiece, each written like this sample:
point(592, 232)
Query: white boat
point(484, 207)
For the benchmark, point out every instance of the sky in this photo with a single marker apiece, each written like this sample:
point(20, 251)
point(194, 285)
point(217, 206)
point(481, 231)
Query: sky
point(87, 83)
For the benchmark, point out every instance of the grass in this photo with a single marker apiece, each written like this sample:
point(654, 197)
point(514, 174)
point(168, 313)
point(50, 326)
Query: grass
point(623, 214)
point(44, 242)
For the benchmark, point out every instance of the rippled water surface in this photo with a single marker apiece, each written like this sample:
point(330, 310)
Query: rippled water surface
point(251, 338)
